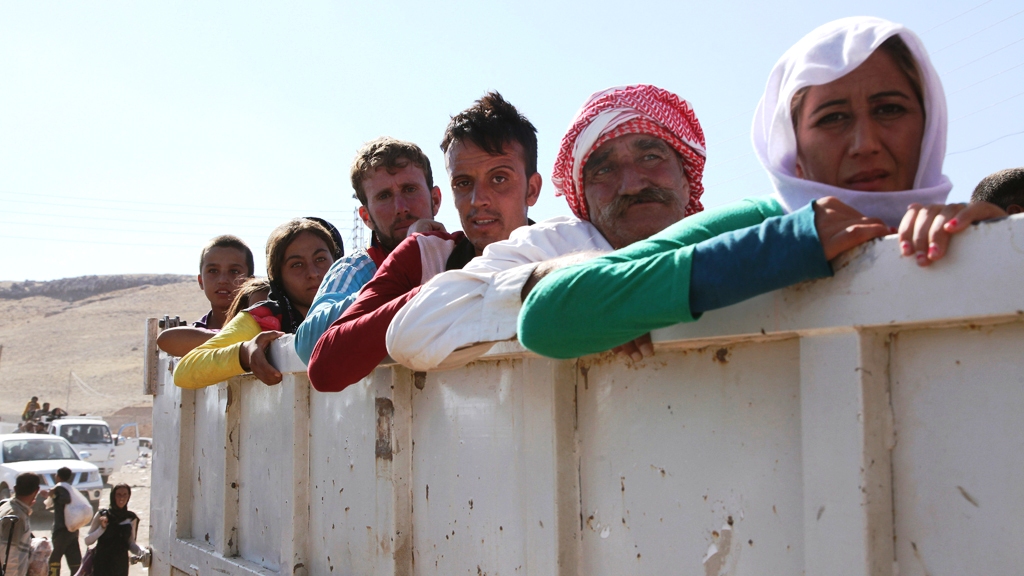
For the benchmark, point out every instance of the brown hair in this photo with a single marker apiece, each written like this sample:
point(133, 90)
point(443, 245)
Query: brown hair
point(282, 237)
point(900, 53)
point(228, 241)
point(392, 155)
point(245, 292)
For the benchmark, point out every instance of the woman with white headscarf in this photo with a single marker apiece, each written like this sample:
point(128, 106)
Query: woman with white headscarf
point(855, 110)
point(852, 130)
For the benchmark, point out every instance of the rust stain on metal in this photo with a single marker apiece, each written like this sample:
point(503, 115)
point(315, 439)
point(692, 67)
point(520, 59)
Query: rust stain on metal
point(721, 356)
point(419, 379)
point(967, 496)
point(385, 416)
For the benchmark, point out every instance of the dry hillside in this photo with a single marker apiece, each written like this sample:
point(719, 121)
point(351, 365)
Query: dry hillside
point(93, 326)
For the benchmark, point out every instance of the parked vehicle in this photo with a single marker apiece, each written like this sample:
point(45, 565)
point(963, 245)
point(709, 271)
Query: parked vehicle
point(129, 446)
point(91, 438)
point(44, 454)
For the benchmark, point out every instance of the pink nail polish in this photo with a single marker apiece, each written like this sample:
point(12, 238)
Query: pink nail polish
point(953, 222)
point(905, 248)
point(933, 251)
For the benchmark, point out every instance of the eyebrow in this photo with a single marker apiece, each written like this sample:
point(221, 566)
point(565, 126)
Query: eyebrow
point(889, 94)
point(878, 96)
point(651, 143)
point(837, 102)
point(595, 160)
point(315, 252)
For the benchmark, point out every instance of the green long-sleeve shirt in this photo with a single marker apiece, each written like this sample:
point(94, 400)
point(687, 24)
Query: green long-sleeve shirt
point(597, 305)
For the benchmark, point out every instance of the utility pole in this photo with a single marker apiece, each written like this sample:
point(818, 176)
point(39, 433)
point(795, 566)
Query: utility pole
point(358, 241)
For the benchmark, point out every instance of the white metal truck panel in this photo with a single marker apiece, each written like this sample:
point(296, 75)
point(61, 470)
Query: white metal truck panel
point(959, 400)
point(691, 460)
point(867, 424)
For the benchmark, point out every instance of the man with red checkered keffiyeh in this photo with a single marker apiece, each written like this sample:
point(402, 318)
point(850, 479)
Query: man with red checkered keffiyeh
point(630, 165)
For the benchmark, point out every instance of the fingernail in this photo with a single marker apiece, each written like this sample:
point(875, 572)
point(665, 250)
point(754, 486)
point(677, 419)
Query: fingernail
point(636, 356)
point(953, 222)
point(647, 350)
point(893, 230)
point(905, 248)
point(922, 258)
point(933, 251)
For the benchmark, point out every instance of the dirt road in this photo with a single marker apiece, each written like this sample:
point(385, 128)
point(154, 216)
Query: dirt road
point(139, 480)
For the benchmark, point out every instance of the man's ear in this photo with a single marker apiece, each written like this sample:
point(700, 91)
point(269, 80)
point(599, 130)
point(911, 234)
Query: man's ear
point(799, 170)
point(533, 186)
point(435, 199)
point(1014, 209)
point(365, 215)
point(200, 278)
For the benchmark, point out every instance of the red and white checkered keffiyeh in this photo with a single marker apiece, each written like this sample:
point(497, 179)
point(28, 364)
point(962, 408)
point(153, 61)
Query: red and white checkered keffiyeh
point(640, 109)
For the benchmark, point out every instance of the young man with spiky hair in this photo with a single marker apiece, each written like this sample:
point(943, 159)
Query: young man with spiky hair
point(491, 157)
point(395, 188)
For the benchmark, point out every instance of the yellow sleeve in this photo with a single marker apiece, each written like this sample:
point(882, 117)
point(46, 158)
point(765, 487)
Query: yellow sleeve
point(217, 359)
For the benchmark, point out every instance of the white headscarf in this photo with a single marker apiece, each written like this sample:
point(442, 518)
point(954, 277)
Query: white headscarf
point(826, 54)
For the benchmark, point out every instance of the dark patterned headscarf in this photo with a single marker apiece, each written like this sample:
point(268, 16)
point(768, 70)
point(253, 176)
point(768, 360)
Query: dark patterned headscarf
point(117, 515)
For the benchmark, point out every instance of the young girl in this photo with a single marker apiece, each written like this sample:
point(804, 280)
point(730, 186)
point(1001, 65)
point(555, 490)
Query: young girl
point(299, 252)
point(113, 530)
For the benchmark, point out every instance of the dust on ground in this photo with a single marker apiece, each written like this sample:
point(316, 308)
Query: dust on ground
point(135, 476)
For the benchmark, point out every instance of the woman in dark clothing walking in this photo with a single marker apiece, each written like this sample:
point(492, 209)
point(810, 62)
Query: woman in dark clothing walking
point(114, 531)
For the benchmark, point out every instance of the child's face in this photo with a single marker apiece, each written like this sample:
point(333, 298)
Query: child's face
point(224, 270)
point(306, 260)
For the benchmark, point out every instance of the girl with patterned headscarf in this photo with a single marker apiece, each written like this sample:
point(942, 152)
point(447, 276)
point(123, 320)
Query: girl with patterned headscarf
point(299, 252)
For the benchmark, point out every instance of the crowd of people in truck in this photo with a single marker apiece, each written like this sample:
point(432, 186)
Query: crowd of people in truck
point(851, 130)
point(35, 417)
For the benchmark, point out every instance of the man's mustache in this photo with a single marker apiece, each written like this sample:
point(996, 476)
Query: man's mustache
point(621, 204)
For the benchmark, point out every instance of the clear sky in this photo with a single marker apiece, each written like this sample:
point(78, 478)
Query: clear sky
point(132, 132)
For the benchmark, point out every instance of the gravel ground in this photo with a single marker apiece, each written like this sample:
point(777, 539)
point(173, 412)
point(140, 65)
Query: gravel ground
point(138, 479)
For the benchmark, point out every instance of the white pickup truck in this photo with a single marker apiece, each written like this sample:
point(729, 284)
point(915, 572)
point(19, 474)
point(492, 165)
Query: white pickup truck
point(91, 438)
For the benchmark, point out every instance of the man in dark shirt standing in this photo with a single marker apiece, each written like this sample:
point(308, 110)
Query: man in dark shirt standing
point(65, 543)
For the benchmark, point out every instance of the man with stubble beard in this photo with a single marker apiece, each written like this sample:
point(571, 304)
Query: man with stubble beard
point(395, 187)
point(491, 156)
point(640, 151)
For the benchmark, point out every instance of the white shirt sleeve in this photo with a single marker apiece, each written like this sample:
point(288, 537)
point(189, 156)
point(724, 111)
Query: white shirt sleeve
point(480, 304)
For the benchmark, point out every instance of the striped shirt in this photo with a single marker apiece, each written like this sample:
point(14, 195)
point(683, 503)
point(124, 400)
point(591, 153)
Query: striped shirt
point(337, 292)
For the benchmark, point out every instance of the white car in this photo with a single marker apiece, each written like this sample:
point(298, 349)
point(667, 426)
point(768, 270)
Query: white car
point(91, 438)
point(44, 454)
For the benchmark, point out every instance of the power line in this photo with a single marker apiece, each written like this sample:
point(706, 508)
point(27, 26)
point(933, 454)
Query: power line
point(81, 241)
point(978, 32)
point(986, 79)
point(176, 224)
point(174, 204)
point(987, 107)
point(1018, 41)
point(955, 17)
point(985, 144)
point(194, 212)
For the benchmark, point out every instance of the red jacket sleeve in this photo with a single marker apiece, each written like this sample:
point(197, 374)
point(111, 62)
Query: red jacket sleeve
point(355, 344)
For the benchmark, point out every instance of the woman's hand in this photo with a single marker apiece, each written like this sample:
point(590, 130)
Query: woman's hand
point(926, 230)
point(104, 521)
point(253, 357)
point(841, 228)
